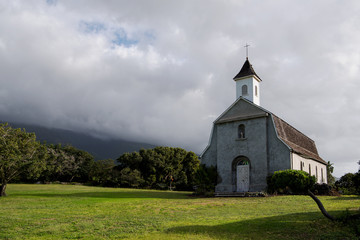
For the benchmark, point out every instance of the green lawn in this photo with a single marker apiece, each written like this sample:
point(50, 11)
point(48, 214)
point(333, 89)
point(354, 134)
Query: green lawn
point(81, 212)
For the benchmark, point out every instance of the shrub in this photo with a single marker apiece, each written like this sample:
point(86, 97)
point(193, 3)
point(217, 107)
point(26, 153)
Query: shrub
point(324, 189)
point(205, 180)
point(290, 182)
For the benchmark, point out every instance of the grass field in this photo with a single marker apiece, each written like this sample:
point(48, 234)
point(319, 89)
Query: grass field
point(81, 212)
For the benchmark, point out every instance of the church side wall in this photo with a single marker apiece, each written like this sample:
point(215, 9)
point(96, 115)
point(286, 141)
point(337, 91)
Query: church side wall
point(279, 154)
point(310, 166)
point(208, 157)
point(253, 146)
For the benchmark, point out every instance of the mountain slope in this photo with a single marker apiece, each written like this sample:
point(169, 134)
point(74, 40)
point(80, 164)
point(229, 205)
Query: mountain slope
point(99, 148)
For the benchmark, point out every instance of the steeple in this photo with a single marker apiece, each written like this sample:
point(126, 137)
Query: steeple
point(248, 83)
point(246, 70)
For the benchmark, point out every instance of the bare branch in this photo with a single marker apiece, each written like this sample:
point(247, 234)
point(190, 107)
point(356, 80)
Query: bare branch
point(321, 207)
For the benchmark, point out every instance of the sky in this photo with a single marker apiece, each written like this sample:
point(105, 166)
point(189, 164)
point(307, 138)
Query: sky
point(162, 71)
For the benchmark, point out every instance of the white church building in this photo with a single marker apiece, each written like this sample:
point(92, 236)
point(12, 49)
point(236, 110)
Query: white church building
point(249, 143)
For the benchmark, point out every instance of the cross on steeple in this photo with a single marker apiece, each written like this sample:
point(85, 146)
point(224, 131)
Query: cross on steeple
point(247, 50)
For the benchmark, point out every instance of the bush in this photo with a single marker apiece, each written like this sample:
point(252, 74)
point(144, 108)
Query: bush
point(290, 182)
point(324, 189)
point(205, 180)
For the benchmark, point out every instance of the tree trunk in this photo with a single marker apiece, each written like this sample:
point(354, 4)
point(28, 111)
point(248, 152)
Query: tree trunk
point(321, 207)
point(2, 190)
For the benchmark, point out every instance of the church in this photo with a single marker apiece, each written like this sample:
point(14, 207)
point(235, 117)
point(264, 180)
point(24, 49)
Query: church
point(249, 143)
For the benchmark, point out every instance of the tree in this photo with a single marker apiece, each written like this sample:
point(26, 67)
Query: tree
point(161, 167)
point(330, 177)
point(104, 173)
point(347, 183)
point(67, 164)
point(20, 153)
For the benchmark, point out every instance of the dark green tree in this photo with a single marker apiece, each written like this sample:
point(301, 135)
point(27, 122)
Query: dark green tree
point(346, 183)
point(130, 178)
point(104, 173)
point(20, 153)
point(160, 167)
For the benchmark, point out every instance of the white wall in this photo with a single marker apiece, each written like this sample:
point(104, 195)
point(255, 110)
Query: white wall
point(251, 82)
point(297, 160)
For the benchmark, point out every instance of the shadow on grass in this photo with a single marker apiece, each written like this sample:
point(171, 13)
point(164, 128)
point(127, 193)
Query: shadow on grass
point(122, 194)
point(310, 225)
point(346, 198)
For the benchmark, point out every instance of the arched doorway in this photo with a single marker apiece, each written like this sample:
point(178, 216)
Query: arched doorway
point(241, 174)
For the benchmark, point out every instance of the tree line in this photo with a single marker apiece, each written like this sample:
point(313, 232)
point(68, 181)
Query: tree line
point(24, 159)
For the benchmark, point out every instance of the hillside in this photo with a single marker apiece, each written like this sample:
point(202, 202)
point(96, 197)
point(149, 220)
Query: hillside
point(99, 148)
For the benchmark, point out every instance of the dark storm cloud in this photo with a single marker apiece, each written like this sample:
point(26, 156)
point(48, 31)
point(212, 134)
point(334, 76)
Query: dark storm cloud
point(161, 71)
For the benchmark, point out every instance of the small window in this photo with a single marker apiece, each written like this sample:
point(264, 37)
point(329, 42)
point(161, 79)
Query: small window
point(322, 176)
point(316, 173)
point(241, 131)
point(244, 90)
point(301, 165)
point(256, 91)
point(309, 169)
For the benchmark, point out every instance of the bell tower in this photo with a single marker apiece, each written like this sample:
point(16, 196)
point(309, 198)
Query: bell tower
point(248, 83)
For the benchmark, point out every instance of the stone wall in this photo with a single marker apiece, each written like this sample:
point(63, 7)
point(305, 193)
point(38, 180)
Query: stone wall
point(253, 147)
point(278, 154)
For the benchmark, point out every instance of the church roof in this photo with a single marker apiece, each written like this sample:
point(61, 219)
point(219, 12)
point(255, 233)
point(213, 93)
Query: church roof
point(296, 140)
point(246, 70)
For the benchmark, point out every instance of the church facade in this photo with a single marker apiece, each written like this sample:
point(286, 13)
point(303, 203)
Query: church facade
point(249, 143)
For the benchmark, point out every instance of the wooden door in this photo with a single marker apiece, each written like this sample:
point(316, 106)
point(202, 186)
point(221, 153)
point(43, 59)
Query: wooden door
point(242, 174)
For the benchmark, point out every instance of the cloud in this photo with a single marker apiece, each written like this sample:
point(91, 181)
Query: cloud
point(161, 71)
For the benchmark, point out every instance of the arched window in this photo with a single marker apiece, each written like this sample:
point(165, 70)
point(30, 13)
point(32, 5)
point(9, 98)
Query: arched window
point(241, 131)
point(244, 90)
point(243, 162)
point(256, 91)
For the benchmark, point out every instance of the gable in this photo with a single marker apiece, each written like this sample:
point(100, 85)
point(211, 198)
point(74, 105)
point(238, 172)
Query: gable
point(241, 109)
